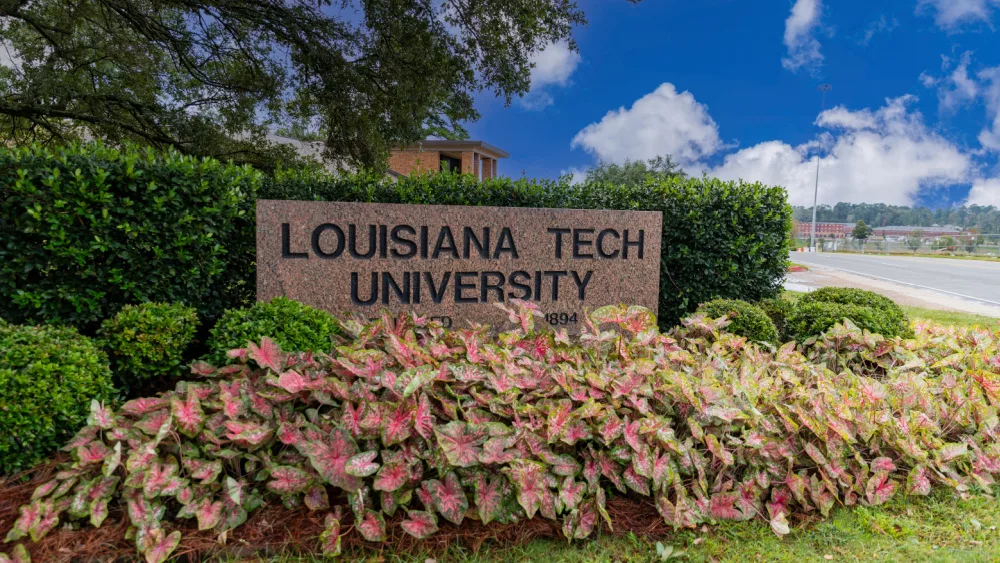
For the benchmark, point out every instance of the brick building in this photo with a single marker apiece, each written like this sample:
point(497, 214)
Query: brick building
point(467, 157)
point(803, 229)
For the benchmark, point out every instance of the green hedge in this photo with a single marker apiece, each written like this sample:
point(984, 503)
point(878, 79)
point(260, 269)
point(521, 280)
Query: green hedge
point(779, 310)
point(893, 321)
point(86, 229)
point(813, 319)
point(48, 377)
point(745, 319)
point(720, 239)
point(293, 326)
point(148, 341)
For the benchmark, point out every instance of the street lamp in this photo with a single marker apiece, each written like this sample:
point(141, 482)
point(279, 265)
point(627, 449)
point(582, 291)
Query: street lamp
point(823, 88)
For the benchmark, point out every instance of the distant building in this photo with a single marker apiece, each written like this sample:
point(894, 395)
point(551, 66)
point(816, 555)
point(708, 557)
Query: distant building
point(803, 229)
point(468, 157)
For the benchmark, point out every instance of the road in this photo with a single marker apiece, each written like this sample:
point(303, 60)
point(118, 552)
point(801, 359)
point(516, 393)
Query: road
point(973, 280)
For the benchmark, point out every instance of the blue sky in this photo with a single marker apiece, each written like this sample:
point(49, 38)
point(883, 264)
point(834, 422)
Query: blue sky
point(729, 87)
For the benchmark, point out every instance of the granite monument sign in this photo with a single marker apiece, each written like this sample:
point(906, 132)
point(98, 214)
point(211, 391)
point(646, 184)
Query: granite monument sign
point(453, 263)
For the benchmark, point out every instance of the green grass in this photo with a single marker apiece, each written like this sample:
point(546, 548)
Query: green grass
point(942, 527)
point(981, 257)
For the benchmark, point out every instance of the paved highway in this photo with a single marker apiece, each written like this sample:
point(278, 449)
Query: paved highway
point(970, 279)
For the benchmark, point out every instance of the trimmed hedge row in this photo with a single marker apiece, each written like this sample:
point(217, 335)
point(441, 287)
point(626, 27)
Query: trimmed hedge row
point(148, 341)
point(720, 239)
point(87, 229)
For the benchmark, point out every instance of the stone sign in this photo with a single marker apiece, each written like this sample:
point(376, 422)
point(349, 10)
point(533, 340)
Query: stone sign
point(454, 262)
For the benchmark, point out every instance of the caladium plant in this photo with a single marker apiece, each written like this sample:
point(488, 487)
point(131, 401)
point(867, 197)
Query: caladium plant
point(404, 417)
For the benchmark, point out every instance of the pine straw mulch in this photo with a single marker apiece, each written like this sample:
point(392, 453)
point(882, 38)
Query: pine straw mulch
point(274, 529)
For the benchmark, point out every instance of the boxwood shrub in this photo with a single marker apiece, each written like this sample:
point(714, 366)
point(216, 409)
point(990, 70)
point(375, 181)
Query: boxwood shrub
point(48, 377)
point(720, 239)
point(893, 320)
point(290, 324)
point(779, 310)
point(148, 341)
point(746, 319)
point(813, 319)
point(86, 229)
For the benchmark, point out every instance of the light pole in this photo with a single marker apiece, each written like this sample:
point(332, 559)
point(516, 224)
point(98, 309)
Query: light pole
point(823, 88)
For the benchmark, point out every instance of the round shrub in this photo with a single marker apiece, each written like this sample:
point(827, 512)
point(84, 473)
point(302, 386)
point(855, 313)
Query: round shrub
point(87, 229)
point(779, 311)
point(746, 319)
point(48, 377)
point(813, 319)
point(149, 340)
point(893, 320)
point(293, 326)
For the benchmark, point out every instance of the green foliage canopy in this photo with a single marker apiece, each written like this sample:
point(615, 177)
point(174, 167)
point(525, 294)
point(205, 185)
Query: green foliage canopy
point(209, 77)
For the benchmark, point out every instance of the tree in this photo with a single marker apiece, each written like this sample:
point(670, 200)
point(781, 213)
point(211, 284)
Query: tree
point(211, 77)
point(861, 233)
point(633, 172)
point(915, 240)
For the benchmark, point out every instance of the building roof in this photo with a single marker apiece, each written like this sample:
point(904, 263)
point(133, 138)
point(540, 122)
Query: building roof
point(459, 146)
point(912, 228)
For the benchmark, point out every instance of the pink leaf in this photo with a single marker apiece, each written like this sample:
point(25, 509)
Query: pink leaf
point(371, 525)
point(883, 464)
point(330, 457)
point(528, 478)
point(419, 523)
point(137, 407)
point(879, 489)
point(489, 498)
point(460, 443)
point(100, 415)
point(329, 540)
point(723, 506)
point(92, 453)
point(202, 470)
point(449, 498)
point(316, 498)
point(267, 355)
point(362, 465)
point(571, 493)
point(161, 547)
point(30, 514)
point(287, 480)
point(392, 476)
point(153, 421)
point(918, 481)
point(188, 414)
point(423, 419)
point(398, 427)
point(209, 514)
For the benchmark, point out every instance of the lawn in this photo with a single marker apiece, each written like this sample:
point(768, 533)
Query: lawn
point(941, 527)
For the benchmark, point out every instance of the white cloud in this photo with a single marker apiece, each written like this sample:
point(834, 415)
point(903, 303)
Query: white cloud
point(578, 174)
point(958, 88)
point(660, 123)
point(985, 192)
point(803, 48)
point(989, 137)
point(887, 155)
point(928, 80)
point(881, 25)
point(552, 67)
point(952, 14)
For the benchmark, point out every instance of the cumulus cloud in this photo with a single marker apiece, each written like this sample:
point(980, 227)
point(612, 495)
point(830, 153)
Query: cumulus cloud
point(662, 122)
point(985, 192)
point(952, 14)
point(887, 155)
point(553, 67)
point(989, 137)
point(958, 88)
point(803, 48)
point(877, 27)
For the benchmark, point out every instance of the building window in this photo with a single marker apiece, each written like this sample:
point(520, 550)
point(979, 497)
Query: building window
point(451, 163)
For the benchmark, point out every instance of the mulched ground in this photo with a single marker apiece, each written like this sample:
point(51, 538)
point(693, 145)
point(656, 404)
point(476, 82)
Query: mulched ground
point(274, 529)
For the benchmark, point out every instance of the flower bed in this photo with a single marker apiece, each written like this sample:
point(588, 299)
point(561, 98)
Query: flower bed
point(436, 429)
